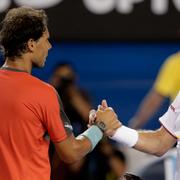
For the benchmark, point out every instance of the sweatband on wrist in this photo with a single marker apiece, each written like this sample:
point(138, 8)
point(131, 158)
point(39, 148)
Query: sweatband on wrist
point(94, 134)
point(126, 136)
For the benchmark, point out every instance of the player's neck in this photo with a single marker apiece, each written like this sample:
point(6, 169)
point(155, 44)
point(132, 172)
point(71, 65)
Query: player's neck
point(19, 64)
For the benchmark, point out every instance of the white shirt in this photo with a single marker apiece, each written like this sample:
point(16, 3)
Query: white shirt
point(171, 122)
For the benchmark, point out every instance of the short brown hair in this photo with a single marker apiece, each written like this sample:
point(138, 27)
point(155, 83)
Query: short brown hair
point(20, 25)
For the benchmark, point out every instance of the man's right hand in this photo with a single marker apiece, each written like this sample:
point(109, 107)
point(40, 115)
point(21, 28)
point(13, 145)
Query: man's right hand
point(105, 118)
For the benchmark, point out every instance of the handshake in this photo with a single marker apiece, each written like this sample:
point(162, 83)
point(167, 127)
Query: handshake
point(105, 118)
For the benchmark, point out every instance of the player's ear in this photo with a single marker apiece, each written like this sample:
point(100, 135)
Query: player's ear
point(31, 45)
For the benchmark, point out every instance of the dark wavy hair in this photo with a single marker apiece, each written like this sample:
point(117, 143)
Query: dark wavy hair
point(20, 25)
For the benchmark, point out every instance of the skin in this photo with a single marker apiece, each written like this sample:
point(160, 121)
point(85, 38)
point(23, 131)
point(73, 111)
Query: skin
point(106, 115)
point(153, 142)
point(72, 149)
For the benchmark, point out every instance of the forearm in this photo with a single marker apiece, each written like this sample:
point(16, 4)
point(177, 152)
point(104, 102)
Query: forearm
point(86, 142)
point(81, 147)
point(76, 150)
point(73, 149)
point(150, 142)
point(154, 142)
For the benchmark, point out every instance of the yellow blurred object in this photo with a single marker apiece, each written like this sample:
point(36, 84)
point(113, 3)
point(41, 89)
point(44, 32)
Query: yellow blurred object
point(168, 80)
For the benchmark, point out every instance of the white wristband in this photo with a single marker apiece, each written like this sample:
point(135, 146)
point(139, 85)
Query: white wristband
point(126, 136)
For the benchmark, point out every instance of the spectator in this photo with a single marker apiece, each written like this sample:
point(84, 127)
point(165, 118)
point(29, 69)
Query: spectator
point(167, 85)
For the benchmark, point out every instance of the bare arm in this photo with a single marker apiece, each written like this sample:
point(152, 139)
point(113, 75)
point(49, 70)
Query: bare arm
point(72, 149)
point(147, 108)
point(155, 142)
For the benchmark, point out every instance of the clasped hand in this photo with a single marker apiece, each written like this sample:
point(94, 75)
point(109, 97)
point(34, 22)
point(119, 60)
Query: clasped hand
point(105, 118)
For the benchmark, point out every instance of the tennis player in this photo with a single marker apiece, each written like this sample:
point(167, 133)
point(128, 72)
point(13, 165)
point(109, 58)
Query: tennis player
point(29, 108)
